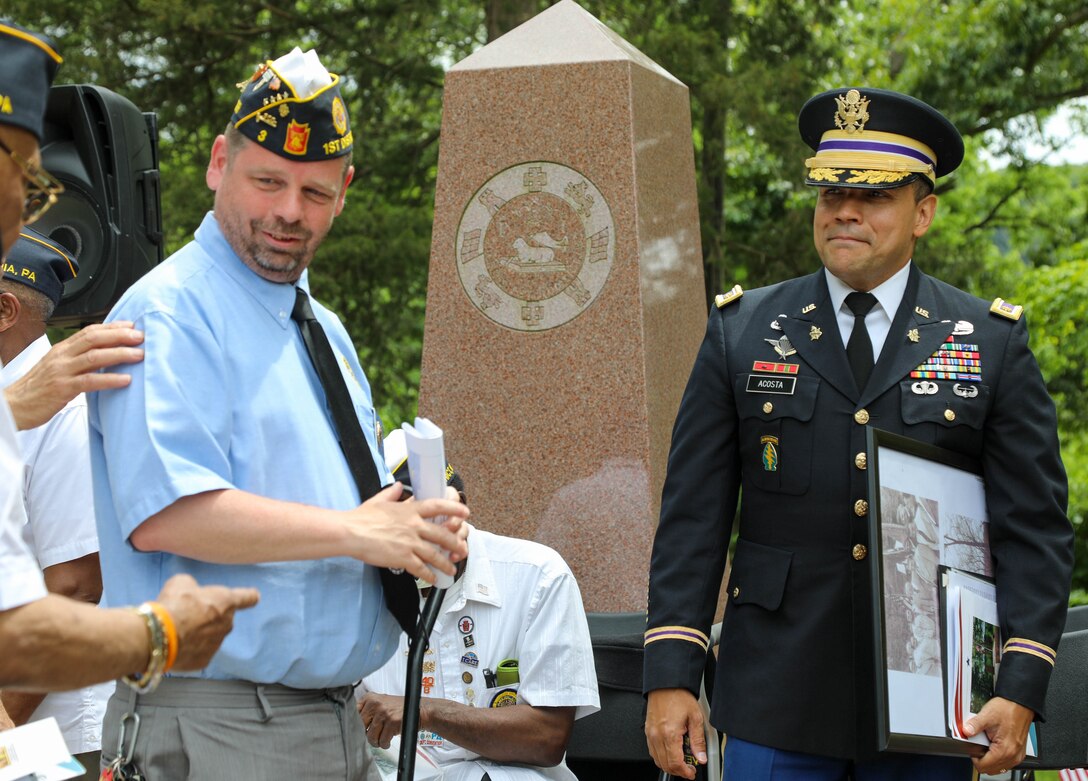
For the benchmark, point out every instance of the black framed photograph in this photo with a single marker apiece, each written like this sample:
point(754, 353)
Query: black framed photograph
point(928, 505)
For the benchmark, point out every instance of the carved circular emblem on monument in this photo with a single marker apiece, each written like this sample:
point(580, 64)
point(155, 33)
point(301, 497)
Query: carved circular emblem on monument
point(535, 246)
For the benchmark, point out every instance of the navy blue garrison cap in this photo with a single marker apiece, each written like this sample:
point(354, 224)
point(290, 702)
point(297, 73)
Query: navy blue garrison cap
point(876, 139)
point(28, 63)
point(40, 263)
point(292, 106)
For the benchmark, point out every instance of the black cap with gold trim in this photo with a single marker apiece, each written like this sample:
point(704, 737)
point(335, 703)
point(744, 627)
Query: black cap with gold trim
point(292, 106)
point(40, 263)
point(876, 139)
point(28, 64)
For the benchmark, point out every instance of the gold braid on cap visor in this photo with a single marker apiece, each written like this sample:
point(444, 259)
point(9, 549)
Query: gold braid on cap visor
point(877, 151)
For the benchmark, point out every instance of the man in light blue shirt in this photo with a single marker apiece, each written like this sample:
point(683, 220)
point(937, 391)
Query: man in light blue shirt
point(221, 459)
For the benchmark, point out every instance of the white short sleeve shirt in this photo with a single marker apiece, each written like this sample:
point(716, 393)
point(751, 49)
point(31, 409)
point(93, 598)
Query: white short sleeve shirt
point(516, 600)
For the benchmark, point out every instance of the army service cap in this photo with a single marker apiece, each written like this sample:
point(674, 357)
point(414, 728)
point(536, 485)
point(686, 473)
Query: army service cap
point(876, 139)
point(292, 106)
point(28, 64)
point(40, 263)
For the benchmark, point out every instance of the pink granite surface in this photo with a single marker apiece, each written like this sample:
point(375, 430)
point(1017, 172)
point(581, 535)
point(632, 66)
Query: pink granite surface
point(561, 426)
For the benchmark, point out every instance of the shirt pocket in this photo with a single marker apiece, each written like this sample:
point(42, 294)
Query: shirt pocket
point(776, 436)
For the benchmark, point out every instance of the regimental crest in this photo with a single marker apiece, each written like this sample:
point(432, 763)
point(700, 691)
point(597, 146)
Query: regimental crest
point(852, 113)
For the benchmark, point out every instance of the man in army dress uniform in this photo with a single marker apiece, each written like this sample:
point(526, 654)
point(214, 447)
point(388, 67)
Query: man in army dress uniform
point(786, 380)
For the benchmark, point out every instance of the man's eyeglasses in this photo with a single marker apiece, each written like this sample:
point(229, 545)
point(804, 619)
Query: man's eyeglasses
point(42, 188)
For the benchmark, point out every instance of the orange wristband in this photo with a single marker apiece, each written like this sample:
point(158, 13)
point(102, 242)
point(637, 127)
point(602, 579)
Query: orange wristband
point(171, 633)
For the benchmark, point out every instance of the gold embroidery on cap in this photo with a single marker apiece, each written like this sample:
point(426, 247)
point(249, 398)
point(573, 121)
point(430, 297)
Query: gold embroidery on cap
point(853, 112)
point(876, 177)
point(825, 174)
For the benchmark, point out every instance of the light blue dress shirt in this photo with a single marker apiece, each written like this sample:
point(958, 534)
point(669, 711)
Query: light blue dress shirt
point(227, 397)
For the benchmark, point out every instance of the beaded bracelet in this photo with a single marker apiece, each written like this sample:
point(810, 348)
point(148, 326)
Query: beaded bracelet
point(156, 664)
point(171, 633)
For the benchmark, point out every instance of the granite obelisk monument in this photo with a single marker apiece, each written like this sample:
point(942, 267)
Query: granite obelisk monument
point(565, 302)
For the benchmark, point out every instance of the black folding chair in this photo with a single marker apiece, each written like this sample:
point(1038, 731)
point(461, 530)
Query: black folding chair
point(610, 745)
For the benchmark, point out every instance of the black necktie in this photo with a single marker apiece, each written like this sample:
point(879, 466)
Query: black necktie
point(859, 349)
point(401, 595)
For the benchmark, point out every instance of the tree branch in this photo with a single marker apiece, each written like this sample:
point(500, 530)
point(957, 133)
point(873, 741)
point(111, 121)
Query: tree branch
point(992, 214)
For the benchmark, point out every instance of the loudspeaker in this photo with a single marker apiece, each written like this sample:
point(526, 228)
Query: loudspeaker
point(105, 152)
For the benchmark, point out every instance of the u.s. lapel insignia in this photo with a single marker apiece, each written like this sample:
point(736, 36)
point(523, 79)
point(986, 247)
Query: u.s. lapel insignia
point(782, 346)
point(919, 311)
point(912, 334)
point(808, 309)
point(814, 333)
point(962, 328)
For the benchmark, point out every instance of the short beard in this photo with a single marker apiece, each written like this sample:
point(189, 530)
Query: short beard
point(280, 265)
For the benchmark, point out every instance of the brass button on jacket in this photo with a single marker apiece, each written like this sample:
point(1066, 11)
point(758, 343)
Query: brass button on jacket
point(859, 552)
point(736, 591)
point(861, 460)
point(861, 507)
point(861, 417)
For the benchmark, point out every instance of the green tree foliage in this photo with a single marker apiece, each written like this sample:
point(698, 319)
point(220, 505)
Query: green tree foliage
point(998, 68)
point(1059, 309)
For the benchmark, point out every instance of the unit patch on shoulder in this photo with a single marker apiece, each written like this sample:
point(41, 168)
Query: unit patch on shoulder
point(1003, 308)
point(722, 299)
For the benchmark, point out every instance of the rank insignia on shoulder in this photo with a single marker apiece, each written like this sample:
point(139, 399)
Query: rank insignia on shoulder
point(1003, 308)
point(722, 299)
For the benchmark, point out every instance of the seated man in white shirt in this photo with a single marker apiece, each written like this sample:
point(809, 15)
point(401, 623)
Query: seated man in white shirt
point(514, 601)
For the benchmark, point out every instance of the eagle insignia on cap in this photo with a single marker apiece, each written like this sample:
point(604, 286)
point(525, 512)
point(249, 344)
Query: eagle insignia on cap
point(853, 112)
